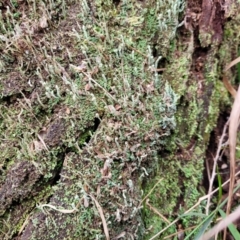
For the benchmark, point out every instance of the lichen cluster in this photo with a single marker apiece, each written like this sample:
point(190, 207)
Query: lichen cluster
point(87, 114)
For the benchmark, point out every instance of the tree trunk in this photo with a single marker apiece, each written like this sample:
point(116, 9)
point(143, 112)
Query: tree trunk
point(107, 108)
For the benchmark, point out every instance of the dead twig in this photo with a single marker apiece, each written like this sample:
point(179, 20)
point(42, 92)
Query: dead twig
point(215, 166)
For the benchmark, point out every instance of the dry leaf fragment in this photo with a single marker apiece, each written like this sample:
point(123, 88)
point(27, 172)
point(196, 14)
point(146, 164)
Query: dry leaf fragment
point(112, 109)
point(38, 146)
point(150, 87)
point(87, 87)
point(117, 107)
point(85, 201)
point(94, 71)
point(134, 147)
point(109, 139)
point(43, 22)
point(105, 171)
point(118, 215)
point(80, 68)
point(68, 111)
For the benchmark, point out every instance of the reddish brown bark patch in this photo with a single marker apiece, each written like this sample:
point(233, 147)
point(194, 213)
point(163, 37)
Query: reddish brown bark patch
point(207, 18)
point(211, 22)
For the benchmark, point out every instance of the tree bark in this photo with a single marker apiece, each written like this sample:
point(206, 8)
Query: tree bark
point(107, 108)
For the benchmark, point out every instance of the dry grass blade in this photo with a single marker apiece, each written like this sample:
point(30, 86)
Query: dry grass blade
point(107, 93)
point(179, 232)
point(157, 212)
point(222, 224)
point(24, 225)
point(42, 141)
point(189, 210)
point(229, 87)
point(139, 205)
point(233, 127)
point(65, 211)
point(99, 208)
point(232, 63)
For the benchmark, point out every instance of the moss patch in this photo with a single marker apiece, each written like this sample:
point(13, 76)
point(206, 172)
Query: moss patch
point(103, 101)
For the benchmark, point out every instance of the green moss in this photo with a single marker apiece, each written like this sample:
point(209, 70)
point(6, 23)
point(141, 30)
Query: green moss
point(205, 38)
point(102, 65)
point(196, 118)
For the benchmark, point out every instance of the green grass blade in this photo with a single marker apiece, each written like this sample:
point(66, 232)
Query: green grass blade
point(219, 178)
point(235, 233)
point(204, 227)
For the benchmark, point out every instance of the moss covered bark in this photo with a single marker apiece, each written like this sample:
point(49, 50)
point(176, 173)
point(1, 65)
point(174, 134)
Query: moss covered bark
point(104, 103)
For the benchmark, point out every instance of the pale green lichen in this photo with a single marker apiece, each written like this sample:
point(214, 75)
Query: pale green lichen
point(102, 68)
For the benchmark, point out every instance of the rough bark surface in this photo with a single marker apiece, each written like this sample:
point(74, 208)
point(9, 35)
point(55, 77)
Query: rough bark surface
point(107, 108)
